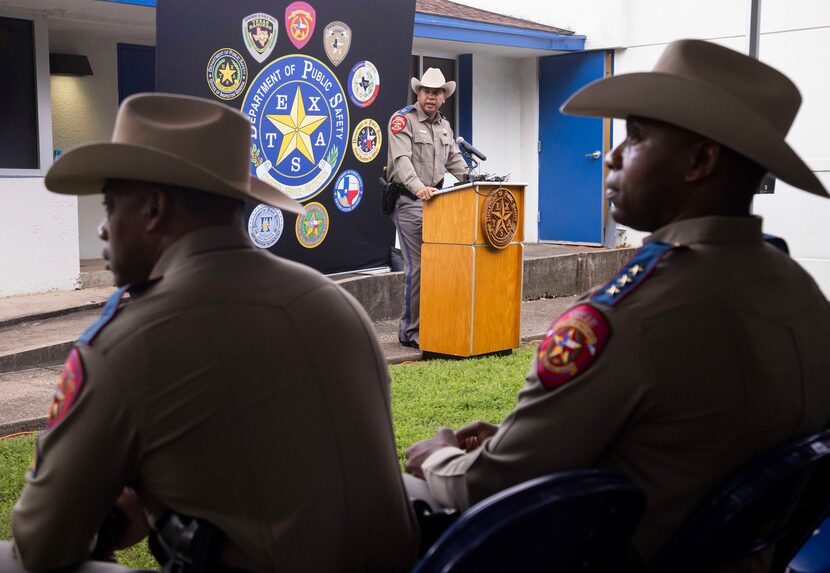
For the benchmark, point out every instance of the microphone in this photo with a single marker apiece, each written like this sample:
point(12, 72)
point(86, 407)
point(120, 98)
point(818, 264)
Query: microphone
point(470, 149)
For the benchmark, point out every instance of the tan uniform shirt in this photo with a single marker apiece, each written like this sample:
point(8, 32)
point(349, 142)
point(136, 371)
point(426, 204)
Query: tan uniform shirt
point(243, 389)
point(423, 150)
point(717, 355)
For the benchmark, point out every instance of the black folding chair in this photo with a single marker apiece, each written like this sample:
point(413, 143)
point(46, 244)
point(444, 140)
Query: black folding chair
point(578, 520)
point(777, 499)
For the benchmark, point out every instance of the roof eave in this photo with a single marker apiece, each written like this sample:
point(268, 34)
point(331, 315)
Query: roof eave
point(459, 30)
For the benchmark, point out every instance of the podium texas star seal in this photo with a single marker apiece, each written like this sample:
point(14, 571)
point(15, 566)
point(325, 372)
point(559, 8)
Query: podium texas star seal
point(299, 125)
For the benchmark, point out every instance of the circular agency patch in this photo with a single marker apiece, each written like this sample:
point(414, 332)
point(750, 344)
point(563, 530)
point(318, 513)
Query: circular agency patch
point(364, 83)
point(265, 226)
point(299, 125)
point(348, 190)
point(227, 73)
point(366, 140)
point(313, 226)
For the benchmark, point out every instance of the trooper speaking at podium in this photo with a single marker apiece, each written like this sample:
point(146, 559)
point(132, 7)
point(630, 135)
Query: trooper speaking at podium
point(421, 150)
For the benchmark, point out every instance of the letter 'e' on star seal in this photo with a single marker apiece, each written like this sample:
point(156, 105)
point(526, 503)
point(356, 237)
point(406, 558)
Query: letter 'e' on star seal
point(571, 345)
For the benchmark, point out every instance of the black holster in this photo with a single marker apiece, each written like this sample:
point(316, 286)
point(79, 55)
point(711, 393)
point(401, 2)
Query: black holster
point(187, 545)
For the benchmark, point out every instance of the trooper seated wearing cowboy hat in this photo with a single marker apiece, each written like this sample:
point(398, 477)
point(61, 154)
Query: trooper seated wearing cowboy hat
point(707, 348)
point(421, 150)
point(212, 392)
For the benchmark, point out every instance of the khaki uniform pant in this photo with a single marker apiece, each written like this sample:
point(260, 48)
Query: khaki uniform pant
point(408, 217)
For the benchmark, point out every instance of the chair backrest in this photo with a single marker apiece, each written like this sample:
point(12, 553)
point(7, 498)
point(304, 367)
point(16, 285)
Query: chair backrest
point(578, 520)
point(753, 510)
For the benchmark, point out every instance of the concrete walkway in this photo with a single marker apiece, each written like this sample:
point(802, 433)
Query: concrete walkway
point(32, 352)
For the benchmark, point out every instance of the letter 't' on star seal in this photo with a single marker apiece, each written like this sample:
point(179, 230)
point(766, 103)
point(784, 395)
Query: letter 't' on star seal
point(571, 345)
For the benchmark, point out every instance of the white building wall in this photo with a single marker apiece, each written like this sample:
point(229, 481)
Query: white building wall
point(83, 111)
point(506, 123)
point(39, 238)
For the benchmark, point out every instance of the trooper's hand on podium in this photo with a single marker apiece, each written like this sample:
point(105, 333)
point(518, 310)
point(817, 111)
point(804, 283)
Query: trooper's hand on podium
point(425, 193)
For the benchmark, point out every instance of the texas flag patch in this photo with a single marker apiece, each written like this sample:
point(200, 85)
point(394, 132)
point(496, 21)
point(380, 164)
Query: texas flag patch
point(397, 124)
point(71, 381)
point(571, 345)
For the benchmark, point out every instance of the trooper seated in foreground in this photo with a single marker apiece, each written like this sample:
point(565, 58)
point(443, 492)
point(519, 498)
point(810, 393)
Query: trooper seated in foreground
point(707, 348)
point(235, 387)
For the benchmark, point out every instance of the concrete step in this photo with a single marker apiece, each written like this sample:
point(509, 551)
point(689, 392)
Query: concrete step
point(41, 341)
point(25, 397)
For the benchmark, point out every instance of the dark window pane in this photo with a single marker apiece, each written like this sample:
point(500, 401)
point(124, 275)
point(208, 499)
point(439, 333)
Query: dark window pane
point(18, 101)
point(414, 72)
point(447, 68)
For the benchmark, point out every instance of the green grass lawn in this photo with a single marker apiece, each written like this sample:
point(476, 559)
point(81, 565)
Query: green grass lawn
point(425, 395)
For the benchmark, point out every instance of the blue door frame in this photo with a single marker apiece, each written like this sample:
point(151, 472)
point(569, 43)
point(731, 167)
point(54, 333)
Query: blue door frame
point(572, 208)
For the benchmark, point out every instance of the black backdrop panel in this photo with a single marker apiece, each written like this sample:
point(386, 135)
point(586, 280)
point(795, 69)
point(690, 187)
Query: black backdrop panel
point(296, 112)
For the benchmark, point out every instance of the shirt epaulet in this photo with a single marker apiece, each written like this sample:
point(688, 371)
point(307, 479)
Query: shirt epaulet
point(777, 242)
point(111, 309)
point(633, 273)
point(405, 110)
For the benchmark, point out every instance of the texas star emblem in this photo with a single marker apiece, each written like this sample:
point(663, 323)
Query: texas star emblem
point(299, 125)
point(337, 39)
point(348, 190)
point(364, 83)
point(300, 18)
point(260, 34)
point(571, 345)
point(227, 74)
point(366, 140)
point(313, 226)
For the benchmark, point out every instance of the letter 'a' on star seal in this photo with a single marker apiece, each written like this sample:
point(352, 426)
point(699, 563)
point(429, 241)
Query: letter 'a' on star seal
point(70, 384)
point(300, 18)
point(337, 39)
point(571, 345)
point(260, 34)
point(299, 125)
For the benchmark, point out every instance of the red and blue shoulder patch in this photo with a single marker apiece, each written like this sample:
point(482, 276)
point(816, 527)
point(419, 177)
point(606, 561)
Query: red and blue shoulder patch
point(397, 124)
point(69, 386)
point(571, 345)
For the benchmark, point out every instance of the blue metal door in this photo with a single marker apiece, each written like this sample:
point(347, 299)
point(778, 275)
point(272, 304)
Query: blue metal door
point(571, 203)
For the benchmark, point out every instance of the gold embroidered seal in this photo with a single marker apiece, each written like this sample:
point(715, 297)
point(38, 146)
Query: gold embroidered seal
point(500, 218)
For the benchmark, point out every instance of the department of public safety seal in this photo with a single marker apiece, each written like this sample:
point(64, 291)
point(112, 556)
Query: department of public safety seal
point(348, 190)
point(299, 125)
point(313, 226)
point(366, 140)
point(364, 83)
point(265, 226)
point(227, 73)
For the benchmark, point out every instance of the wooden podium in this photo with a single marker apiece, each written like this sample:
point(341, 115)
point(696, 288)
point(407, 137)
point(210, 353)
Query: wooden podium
point(471, 291)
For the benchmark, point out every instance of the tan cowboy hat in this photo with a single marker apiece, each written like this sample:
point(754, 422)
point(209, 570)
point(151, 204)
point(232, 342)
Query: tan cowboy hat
point(716, 92)
point(174, 139)
point(433, 78)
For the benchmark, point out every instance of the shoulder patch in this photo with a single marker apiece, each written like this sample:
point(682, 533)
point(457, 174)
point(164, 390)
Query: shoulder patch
point(571, 345)
point(397, 124)
point(777, 242)
point(633, 273)
point(70, 384)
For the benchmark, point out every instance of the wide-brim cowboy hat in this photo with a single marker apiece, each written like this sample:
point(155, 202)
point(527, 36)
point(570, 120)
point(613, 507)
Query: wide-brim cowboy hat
point(716, 92)
point(170, 139)
point(433, 78)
